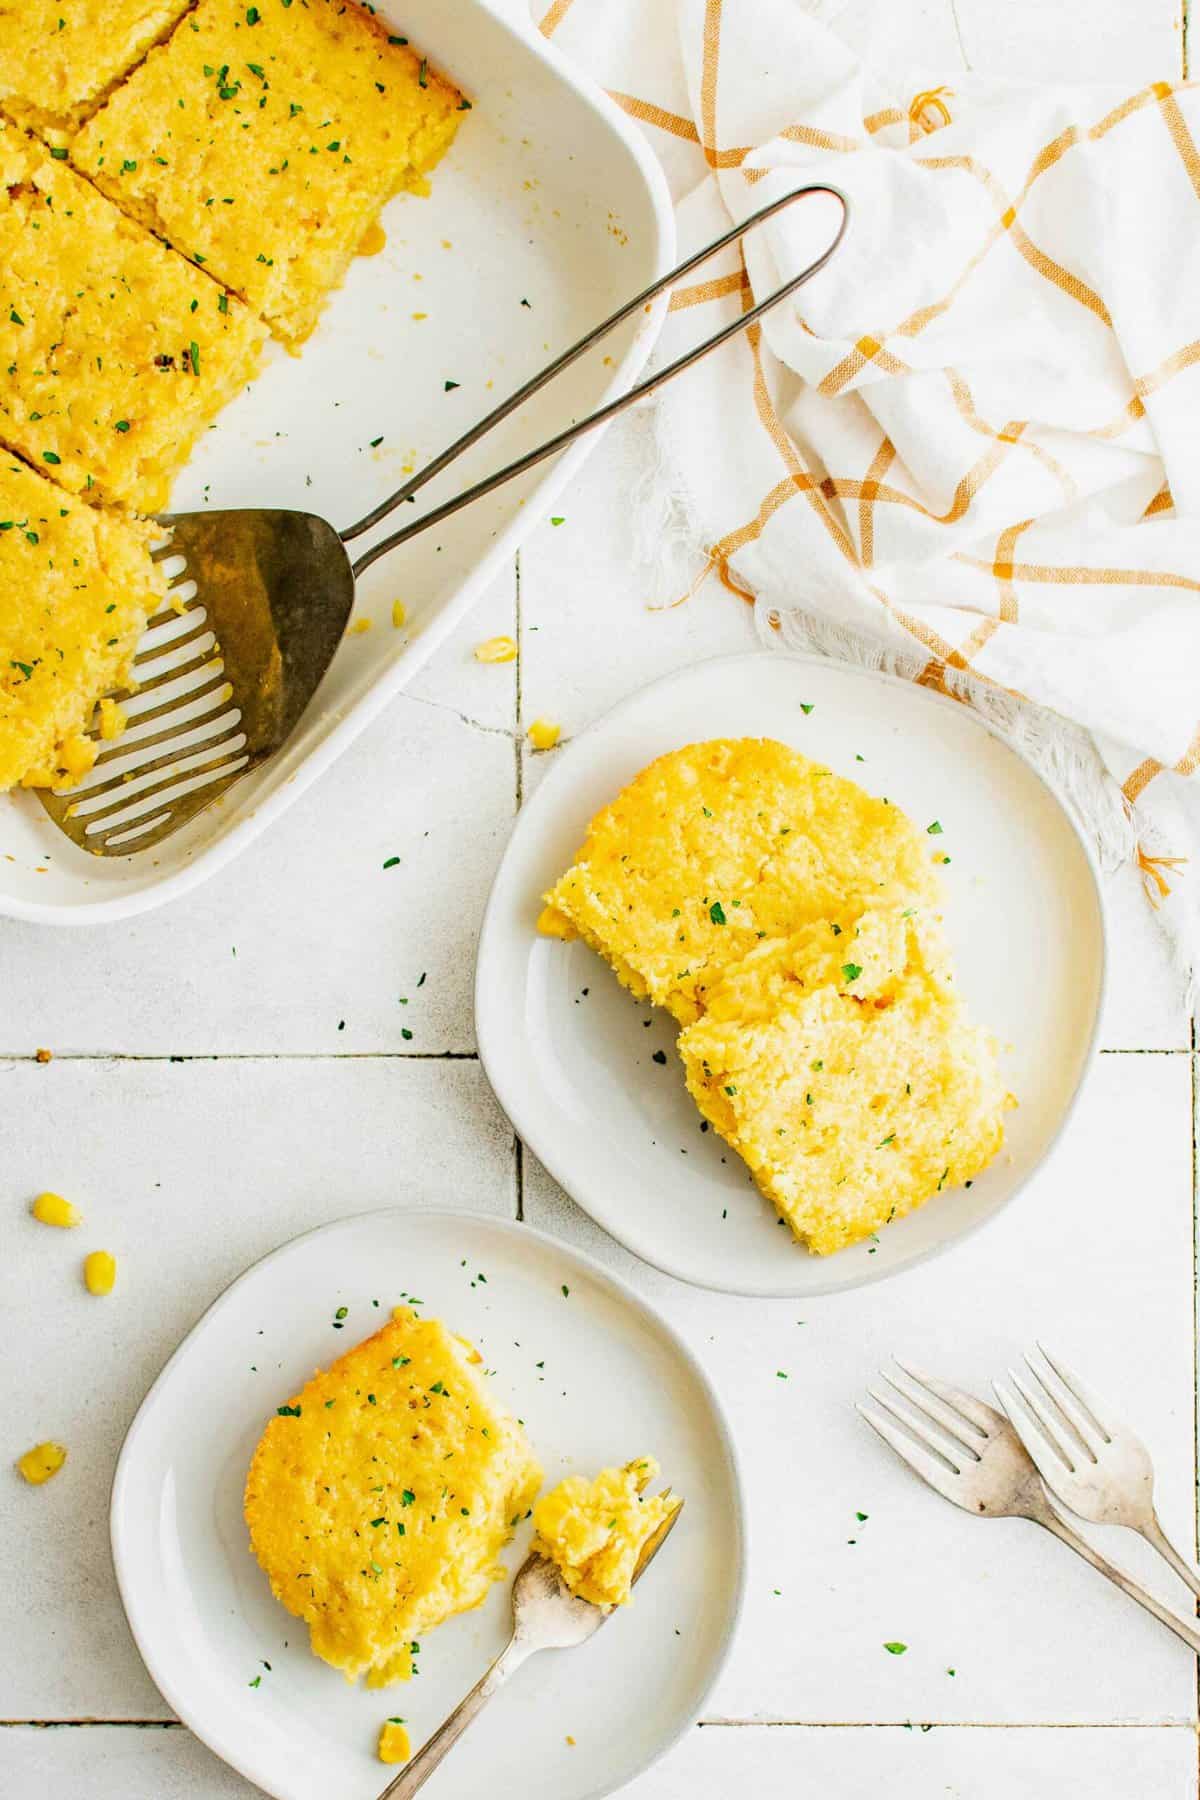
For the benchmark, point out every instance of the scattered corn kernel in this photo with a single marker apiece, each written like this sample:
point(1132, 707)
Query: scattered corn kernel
point(52, 1209)
point(359, 626)
point(113, 720)
point(393, 1742)
point(40, 1463)
point(496, 650)
point(99, 1271)
point(544, 734)
point(399, 616)
point(43, 1056)
point(373, 240)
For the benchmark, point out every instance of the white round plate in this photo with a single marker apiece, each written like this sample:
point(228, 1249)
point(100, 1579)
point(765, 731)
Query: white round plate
point(571, 1055)
point(596, 1376)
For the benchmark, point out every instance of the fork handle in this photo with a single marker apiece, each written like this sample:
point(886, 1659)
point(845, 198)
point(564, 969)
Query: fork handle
point(1154, 1534)
point(417, 1772)
point(1060, 1529)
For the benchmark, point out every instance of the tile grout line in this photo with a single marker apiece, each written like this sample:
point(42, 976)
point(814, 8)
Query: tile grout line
point(717, 1723)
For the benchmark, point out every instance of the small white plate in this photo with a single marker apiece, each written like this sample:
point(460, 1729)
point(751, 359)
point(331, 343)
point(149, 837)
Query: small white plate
point(570, 1053)
point(597, 1378)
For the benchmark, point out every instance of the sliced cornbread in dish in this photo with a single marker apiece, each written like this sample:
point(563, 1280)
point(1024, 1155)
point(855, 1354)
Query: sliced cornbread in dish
point(714, 847)
point(59, 58)
point(845, 1072)
point(263, 140)
point(595, 1531)
point(77, 586)
point(115, 351)
point(381, 1495)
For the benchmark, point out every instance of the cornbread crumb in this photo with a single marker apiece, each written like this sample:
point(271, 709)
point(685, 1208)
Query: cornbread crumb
point(394, 1746)
point(717, 845)
point(399, 616)
point(360, 627)
point(61, 56)
point(264, 140)
point(116, 351)
point(42, 1462)
point(845, 1072)
point(595, 1531)
point(78, 586)
point(496, 650)
point(52, 1209)
point(380, 1496)
point(43, 1056)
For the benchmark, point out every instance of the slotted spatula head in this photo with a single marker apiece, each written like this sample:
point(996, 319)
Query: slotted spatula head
point(259, 601)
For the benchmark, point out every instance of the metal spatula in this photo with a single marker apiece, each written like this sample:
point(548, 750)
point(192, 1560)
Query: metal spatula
point(260, 600)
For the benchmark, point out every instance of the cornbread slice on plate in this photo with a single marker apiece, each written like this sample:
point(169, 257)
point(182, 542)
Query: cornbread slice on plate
point(380, 1496)
point(114, 351)
point(58, 58)
point(718, 845)
point(263, 140)
point(850, 1079)
point(77, 586)
point(596, 1530)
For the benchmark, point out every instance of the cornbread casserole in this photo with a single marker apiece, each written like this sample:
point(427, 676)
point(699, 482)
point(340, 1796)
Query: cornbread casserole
point(717, 845)
point(77, 587)
point(58, 58)
point(785, 918)
point(263, 140)
point(845, 1073)
point(114, 351)
point(380, 1496)
point(596, 1530)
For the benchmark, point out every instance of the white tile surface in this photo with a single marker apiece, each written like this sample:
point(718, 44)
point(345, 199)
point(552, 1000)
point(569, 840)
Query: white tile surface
point(715, 1762)
point(192, 1169)
point(188, 1172)
point(1108, 1223)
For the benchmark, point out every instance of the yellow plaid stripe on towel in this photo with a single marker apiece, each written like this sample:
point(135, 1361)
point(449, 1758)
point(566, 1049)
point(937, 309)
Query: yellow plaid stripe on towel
point(971, 451)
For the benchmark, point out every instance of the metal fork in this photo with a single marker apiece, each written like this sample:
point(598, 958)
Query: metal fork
point(546, 1616)
point(268, 594)
point(1094, 1464)
point(970, 1454)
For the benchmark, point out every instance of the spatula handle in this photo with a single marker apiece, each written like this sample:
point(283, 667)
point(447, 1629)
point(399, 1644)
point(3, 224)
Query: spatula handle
point(620, 404)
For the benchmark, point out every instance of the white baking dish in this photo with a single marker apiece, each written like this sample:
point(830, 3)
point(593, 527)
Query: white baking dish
point(548, 212)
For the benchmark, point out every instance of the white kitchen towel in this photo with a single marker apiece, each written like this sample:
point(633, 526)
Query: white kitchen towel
point(969, 449)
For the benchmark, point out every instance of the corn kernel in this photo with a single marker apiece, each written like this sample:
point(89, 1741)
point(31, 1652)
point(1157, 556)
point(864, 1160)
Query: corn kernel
point(99, 1271)
point(552, 923)
point(496, 650)
point(373, 240)
point(113, 720)
point(399, 616)
point(76, 756)
point(52, 1209)
point(544, 734)
point(359, 626)
point(40, 1463)
point(393, 1742)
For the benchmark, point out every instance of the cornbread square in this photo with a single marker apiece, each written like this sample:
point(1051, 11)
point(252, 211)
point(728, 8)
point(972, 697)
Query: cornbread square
point(114, 351)
point(380, 1496)
point(58, 58)
point(78, 585)
point(595, 1531)
point(718, 845)
point(847, 1076)
point(263, 140)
